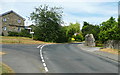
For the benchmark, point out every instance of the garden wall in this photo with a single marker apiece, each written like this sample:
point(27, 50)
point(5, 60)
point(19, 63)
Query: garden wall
point(114, 44)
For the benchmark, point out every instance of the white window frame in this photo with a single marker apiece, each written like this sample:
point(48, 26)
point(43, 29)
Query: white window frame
point(4, 28)
point(4, 19)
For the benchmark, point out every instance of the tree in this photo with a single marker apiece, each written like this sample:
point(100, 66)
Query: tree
point(72, 29)
point(109, 30)
point(90, 29)
point(48, 23)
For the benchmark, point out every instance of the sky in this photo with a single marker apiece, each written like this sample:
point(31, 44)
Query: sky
point(92, 11)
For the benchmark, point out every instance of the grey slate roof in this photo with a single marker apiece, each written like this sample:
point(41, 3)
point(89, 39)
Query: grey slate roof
point(11, 12)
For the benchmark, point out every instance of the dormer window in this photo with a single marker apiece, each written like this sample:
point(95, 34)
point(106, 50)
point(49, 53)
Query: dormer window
point(4, 19)
point(19, 21)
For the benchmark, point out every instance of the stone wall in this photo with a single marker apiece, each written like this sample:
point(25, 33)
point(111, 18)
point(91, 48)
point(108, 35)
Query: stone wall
point(114, 44)
point(89, 40)
point(12, 23)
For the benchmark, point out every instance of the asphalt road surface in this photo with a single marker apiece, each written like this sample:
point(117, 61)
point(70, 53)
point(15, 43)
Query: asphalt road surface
point(22, 58)
point(67, 58)
point(59, 58)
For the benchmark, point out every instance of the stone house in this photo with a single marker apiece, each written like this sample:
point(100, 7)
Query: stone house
point(11, 21)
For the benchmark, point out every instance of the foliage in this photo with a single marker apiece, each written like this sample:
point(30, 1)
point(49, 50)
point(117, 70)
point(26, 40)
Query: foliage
point(90, 29)
point(72, 29)
point(32, 27)
point(78, 37)
point(48, 23)
point(25, 33)
point(11, 33)
point(109, 30)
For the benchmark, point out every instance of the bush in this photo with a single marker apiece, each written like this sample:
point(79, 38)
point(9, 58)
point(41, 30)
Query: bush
point(11, 33)
point(24, 33)
point(78, 37)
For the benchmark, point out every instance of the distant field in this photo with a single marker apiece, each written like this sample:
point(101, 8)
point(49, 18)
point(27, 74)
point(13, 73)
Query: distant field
point(19, 40)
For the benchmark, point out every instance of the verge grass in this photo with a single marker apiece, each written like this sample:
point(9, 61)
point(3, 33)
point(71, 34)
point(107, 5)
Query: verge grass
point(5, 70)
point(109, 50)
point(20, 40)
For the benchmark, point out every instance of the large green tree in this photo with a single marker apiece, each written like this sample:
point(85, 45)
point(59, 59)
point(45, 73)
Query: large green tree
point(90, 29)
point(109, 30)
point(48, 23)
point(72, 29)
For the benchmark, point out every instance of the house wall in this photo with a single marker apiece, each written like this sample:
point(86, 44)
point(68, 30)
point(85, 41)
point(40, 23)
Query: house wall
point(11, 23)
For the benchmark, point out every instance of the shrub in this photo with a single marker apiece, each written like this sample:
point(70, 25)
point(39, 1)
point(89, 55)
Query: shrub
point(11, 33)
point(24, 33)
point(78, 37)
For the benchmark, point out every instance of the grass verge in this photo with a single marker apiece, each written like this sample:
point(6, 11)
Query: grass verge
point(109, 50)
point(20, 40)
point(5, 70)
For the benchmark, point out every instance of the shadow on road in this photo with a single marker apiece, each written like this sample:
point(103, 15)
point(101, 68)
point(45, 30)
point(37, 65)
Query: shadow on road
point(77, 43)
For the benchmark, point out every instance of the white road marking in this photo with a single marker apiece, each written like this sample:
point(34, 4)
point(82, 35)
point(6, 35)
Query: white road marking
point(41, 55)
point(43, 60)
point(39, 46)
point(46, 69)
point(44, 64)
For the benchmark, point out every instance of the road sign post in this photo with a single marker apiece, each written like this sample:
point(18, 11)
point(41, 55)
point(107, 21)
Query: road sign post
point(32, 34)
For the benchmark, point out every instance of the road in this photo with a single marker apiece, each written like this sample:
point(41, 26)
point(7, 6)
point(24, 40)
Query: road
point(59, 58)
point(22, 58)
point(67, 58)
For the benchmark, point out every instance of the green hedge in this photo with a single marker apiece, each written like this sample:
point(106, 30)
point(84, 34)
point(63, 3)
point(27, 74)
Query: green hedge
point(23, 33)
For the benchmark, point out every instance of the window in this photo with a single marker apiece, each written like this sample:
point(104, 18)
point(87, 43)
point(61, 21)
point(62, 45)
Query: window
point(19, 29)
point(4, 19)
point(5, 28)
point(19, 21)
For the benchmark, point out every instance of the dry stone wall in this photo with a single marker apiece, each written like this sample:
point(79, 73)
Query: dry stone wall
point(114, 44)
point(89, 40)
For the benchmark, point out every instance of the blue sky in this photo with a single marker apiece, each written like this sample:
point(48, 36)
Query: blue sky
point(92, 11)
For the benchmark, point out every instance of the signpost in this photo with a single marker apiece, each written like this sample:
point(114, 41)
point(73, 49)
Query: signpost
point(32, 34)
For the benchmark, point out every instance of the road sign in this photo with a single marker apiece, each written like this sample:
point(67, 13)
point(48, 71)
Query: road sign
point(31, 32)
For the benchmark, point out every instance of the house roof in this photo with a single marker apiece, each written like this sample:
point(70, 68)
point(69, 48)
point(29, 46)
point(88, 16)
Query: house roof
point(11, 12)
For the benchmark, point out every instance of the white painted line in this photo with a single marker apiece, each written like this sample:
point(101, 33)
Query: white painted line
point(44, 64)
point(41, 55)
point(46, 69)
point(43, 61)
point(39, 46)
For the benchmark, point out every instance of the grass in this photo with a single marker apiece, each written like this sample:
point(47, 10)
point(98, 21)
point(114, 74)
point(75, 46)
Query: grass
point(19, 40)
point(5, 70)
point(109, 50)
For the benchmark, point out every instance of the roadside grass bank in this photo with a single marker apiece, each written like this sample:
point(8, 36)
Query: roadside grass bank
point(5, 70)
point(109, 50)
point(20, 40)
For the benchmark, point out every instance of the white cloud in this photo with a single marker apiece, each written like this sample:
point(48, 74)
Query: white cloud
point(90, 7)
point(92, 20)
point(78, 8)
